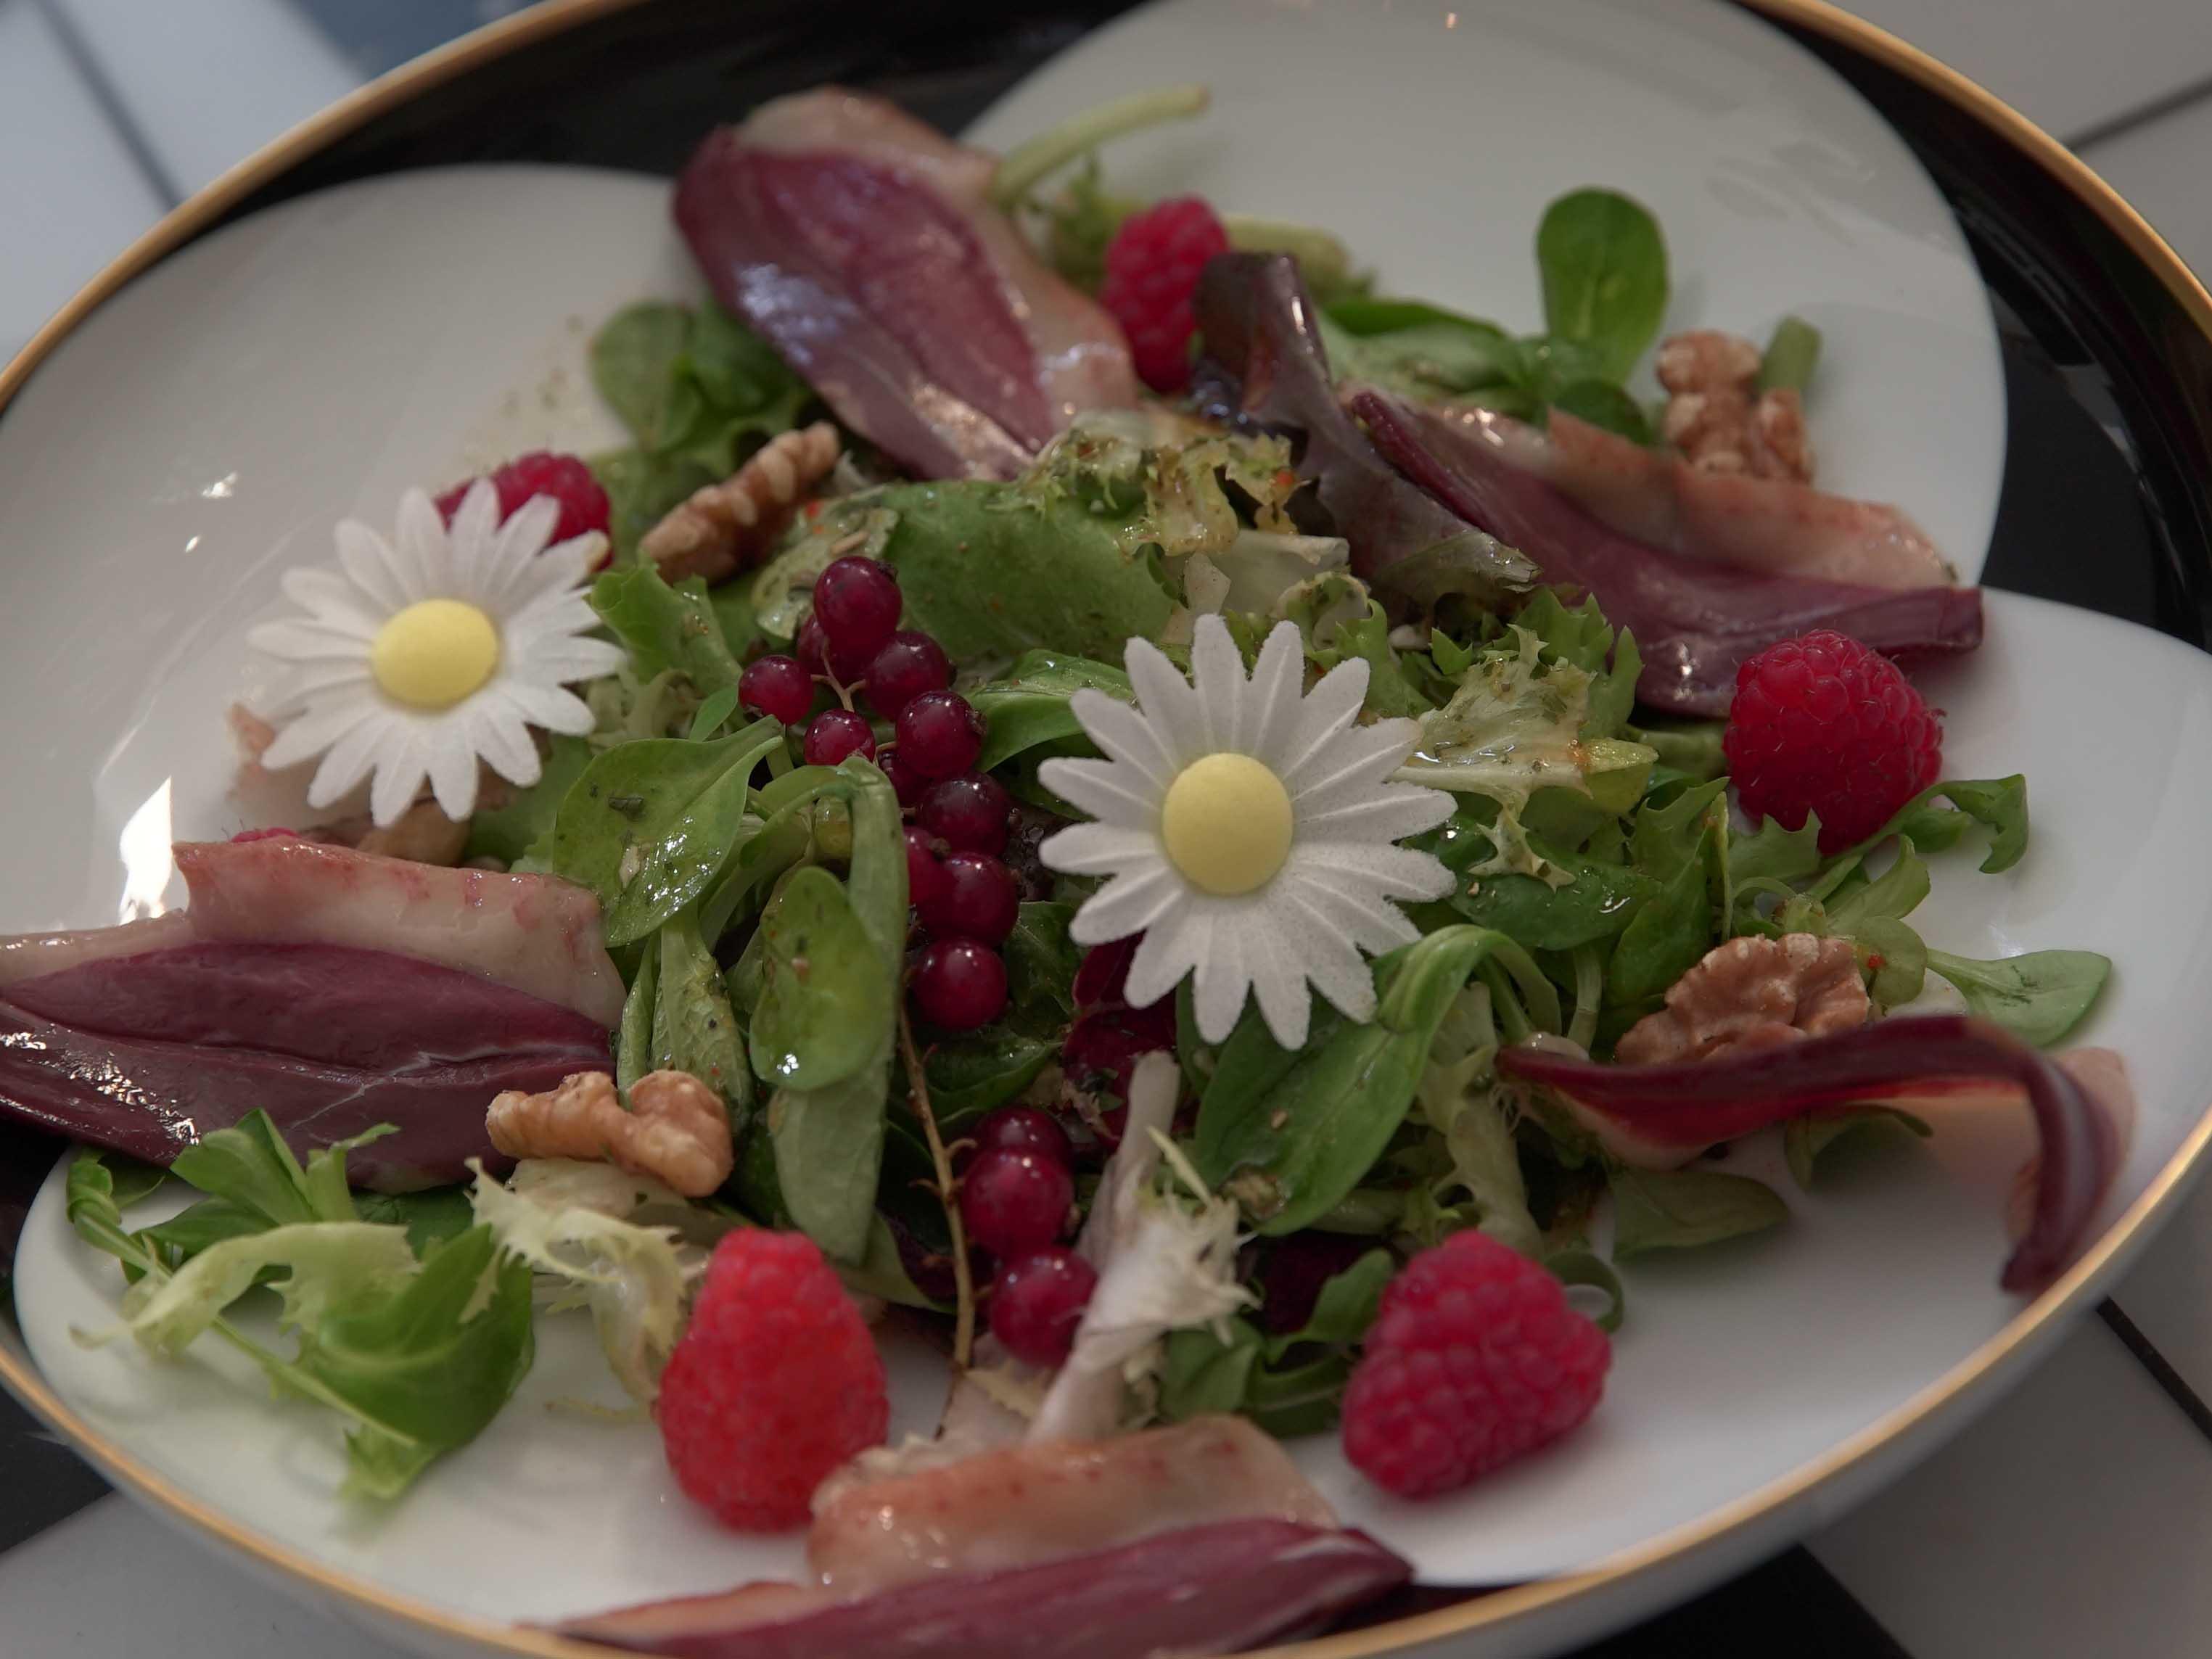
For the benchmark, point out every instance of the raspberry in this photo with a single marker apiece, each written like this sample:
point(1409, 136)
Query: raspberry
point(1152, 266)
point(1475, 1358)
point(564, 477)
point(775, 1383)
point(1822, 724)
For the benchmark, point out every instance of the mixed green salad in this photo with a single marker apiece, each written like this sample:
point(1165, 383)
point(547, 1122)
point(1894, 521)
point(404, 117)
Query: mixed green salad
point(835, 902)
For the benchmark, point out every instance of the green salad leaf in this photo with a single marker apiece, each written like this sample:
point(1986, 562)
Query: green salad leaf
point(993, 571)
point(665, 629)
point(1804, 1138)
point(512, 831)
point(693, 1026)
point(2038, 996)
point(1603, 265)
point(680, 865)
point(1028, 705)
point(1681, 1209)
point(828, 1140)
point(1291, 1133)
point(825, 999)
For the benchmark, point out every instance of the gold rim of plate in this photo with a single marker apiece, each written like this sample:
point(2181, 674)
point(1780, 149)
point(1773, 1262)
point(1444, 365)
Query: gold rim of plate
point(551, 17)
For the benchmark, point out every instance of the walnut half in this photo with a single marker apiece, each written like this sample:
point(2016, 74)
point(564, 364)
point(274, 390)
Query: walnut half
point(675, 1127)
point(1751, 993)
point(719, 529)
point(1718, 417)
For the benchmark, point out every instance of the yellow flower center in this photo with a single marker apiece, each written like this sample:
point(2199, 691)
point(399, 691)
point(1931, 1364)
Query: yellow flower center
point(434, 653)
point(1226, 823)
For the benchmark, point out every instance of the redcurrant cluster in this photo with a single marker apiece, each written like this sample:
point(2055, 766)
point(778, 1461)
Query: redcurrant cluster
point(1016, 1198)
point(964, 895)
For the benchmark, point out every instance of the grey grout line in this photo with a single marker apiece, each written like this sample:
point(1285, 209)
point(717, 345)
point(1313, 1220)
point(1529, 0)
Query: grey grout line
point(2142, 115)
point(111, 105)
point(2145, 1353)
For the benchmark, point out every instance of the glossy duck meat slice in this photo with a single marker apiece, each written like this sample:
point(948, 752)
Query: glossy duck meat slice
point(861, 243)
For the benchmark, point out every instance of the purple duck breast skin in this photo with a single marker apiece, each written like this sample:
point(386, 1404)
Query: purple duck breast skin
point(152, 1098)
point(372, 1010)
point(1199, 1590)
point(861, 245)
point(1695, 623)
point(144, 1054)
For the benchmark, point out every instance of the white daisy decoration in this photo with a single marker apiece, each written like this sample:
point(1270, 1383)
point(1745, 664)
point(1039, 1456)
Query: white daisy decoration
point(1248, 828)
point(421, 655)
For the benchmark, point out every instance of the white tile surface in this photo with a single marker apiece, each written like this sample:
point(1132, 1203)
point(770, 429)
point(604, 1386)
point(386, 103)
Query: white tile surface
point(208, 81)
point(2075, 1518)
point(70, 197)
point(2161, 169)
point(2069, 65)
point(112, 1581)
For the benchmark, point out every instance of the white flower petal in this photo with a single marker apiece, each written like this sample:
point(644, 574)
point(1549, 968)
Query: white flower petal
point(549, 707)
point(1098, 849)
point(1358, 759)
point(1122, 733)
point(1171, 707)
point(1222, 980)
point(1394, 872)
point(453, 772)
point(550, 616)
point(556, 570)
point(528, 531)
point(1132, 902)
point(294, 640)
point(470, 541)
point(298, 689)
point(1329, 708)
point(1171, 948)
point(1218, 685)
point(568, 660)
point(1341, 975)
point(372, 566)
point(497, 734)
point(424, 560)
point(350, 758)
point(326, 720)
point(1352, 909)
point(332, 601)
point(1109, 791)
point(1278, 981)
point(1388, 812)
point(1273, 701)
point(400, 766)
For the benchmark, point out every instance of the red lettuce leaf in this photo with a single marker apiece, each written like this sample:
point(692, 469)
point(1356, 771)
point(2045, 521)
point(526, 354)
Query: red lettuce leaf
point(1691, 1105)
point(1263, 364)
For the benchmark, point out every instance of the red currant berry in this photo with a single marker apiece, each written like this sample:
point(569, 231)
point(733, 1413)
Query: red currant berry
point(1037, 1301)
point(837, 734)
point(926, 880)
point(981, 899)
point(814, 648)
point(968, 813)
point(939, 734)
point(906, 783)
point(858, 602)
point(959, 984)
point(1023, 1129)
point(811, 646)
point(1015, 1202)
point(778, 686)
point(910, 665)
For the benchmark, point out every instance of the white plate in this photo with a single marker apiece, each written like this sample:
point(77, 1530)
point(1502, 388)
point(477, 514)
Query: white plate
point(205, 428)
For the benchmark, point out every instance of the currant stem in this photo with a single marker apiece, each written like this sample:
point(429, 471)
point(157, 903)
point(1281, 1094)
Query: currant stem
point(963, 1319)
